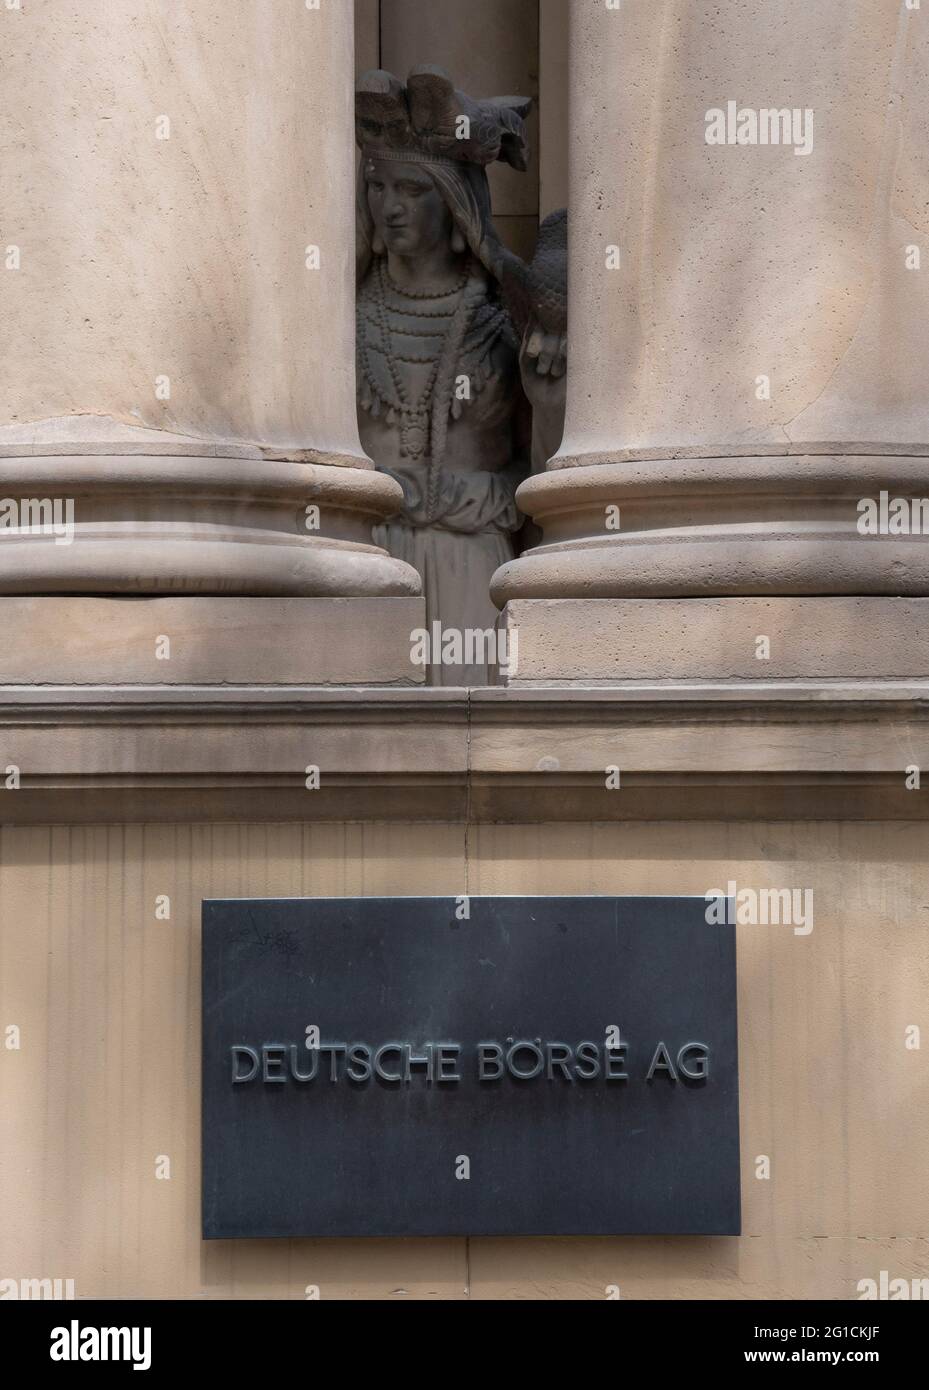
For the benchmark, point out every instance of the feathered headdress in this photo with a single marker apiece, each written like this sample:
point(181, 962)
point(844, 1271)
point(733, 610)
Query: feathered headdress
point(428, 121)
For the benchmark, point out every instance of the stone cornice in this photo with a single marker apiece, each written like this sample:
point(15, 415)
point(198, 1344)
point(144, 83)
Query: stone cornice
point(208, 699)
point(787, 750)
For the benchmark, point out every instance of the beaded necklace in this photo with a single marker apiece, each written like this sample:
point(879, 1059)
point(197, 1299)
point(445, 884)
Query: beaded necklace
point(414, 413)
point(423, 294)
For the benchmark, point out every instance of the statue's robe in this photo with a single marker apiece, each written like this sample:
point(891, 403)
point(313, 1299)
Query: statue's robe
point(485, 455)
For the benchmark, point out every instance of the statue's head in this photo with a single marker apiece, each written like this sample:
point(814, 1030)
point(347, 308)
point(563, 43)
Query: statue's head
point(409, 214)
point(425, 151)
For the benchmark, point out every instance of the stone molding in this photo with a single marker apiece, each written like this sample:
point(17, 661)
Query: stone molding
point(748, 525)
point(763, 751)
point(195, 524)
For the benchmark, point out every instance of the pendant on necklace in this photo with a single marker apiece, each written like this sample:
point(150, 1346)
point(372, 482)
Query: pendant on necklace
point(414, 438)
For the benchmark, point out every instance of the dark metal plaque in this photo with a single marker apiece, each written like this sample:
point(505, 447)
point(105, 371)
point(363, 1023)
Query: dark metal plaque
point(481, 1066)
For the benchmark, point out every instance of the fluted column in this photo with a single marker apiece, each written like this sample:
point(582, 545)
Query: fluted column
point(747, 321)
point(178, 301)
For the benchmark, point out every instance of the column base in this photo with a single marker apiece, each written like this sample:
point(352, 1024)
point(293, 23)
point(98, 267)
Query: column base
point(126, 523)
point(611, 641)
point(811, 524)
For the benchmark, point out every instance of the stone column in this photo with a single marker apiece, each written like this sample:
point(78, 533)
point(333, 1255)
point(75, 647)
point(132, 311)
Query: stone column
point(747, 329)
point(178, 303)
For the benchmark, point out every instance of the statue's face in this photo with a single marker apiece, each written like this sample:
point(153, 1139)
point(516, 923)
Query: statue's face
point(408, 212)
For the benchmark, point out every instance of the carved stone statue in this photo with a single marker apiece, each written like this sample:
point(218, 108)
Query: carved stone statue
point(448, 322)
